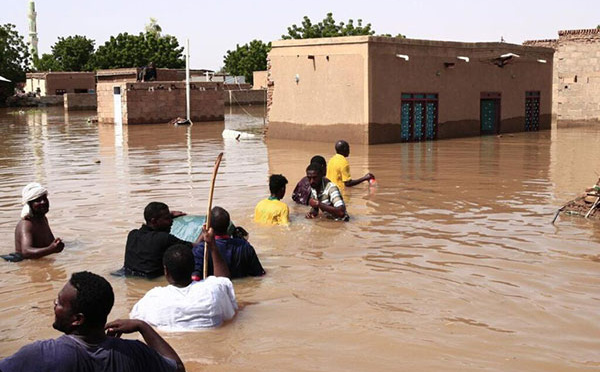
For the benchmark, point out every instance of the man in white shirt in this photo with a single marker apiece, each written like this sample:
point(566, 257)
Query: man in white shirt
point(185, 304)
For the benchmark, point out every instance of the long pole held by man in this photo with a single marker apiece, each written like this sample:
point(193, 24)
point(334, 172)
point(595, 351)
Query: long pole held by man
point(208, 211)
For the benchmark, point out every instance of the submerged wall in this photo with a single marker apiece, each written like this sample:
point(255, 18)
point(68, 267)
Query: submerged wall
point(317, 89)
point(160, 102)
point(433, 68)
point(80, 101)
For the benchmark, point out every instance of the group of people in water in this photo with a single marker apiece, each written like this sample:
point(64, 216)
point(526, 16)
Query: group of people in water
point(81, 309)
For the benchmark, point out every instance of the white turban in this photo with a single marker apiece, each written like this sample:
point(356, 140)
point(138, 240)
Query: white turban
point(31, 192)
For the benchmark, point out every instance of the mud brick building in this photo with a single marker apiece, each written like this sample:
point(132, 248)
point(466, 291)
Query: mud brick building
point(59, 83)
point(122, 99)
point(369, 89)
point(576, 79)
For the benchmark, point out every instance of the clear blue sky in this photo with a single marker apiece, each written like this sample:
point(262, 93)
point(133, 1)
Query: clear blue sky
point(213, 27)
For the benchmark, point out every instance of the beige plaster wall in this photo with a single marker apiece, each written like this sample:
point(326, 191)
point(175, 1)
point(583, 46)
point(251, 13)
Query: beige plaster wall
point(330, 92)
point(259, 79)
point(32, 83)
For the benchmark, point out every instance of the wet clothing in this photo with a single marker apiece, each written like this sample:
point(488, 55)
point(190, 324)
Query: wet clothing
point(69, 354)
point(301, 193)
point(338, 171)
point(272, 211)
point(237, 253)
point(330, 195)
point(144, 251)
point(13, 257)
point(201, 304)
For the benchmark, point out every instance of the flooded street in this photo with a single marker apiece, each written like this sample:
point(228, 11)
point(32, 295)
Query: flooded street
point(449, 264)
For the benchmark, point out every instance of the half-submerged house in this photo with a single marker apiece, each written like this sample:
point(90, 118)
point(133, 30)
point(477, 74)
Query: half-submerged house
point(369, 89)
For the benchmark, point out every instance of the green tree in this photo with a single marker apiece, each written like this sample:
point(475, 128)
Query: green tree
point(399, 36)
point(74, 53)
point(246, 59)
point(125, 50)
point(46, 62)
point(14, 58)
point(327, 28)
point(14, 54)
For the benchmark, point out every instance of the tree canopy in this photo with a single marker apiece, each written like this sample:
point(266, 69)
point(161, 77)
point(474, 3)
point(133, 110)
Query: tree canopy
point(14, 55)
point(246, 59)
point(327, 28)
point(127, 50)
point(253, 56)
point(73, 53)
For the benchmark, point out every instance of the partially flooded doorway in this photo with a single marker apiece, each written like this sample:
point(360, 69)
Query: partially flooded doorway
point(490, 113)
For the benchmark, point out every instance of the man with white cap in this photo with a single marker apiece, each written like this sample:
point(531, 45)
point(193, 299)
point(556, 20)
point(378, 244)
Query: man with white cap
point(33, 237)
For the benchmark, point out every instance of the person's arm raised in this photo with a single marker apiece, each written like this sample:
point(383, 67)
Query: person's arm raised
point(220, 267)
point(153, 340)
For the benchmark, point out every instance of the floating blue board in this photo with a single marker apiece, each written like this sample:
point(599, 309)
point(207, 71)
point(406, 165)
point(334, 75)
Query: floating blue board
point(188, 227)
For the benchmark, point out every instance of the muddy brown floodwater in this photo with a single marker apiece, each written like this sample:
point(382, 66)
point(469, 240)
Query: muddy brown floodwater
point(449, 264)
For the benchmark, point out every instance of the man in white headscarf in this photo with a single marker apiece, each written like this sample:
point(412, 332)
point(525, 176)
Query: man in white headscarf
point(33, 237)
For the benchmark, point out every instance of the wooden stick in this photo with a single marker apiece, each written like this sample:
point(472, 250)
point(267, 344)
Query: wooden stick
point(208, 210)
point(593, 206)
point(557, 213)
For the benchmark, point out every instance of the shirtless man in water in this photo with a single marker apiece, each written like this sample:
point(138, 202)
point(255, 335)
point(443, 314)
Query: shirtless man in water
point(33, 237)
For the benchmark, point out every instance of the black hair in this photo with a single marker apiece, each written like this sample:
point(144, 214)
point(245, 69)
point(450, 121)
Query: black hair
point(319, 160)
point(95, 297)
point(315, 167)
point(341, 146)
point(276, 183)
point(179, 261)
point(219, 220)
point(153, 210)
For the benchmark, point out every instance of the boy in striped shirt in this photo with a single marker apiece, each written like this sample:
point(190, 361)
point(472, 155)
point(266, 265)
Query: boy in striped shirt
point(324, 196)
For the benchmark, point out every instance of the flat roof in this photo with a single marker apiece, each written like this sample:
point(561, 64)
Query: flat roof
point(404, 41)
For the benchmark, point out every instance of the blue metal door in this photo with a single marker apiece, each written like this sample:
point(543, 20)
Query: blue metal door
point(489, 116)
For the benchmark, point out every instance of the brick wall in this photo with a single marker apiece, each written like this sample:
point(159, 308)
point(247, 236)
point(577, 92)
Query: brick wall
point(80, 101)
point(130, 74)
point(160, 102)
point(69, 82)
point(576, 76)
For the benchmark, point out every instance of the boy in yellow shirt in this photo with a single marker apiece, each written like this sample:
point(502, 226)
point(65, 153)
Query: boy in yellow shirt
point(272, 211)
point(338, 168)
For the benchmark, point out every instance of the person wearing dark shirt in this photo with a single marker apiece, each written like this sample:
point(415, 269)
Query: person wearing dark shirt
point(146, 246)
point(147, 73)
point(301, 194)
point(89, 344)
point(239, 255)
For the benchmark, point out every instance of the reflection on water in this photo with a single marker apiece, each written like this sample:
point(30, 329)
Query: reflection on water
point(450, 263)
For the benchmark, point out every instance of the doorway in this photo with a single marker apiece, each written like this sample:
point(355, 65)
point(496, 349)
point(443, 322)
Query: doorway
point(490, 105)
